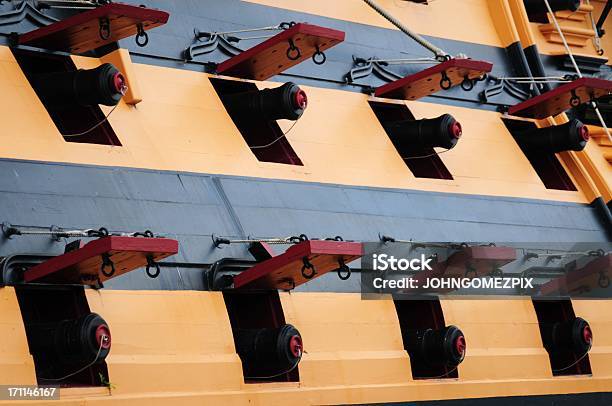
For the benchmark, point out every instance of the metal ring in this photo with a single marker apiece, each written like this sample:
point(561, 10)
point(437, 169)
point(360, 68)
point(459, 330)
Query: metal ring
point(105, 31)
point(293, 48)
point(600, 52)
point(445, 82)
point(308, 265)
point(467, 84)
point(142, 34)
point(575, 100)
point(101, 232)
point(604, 280)
point(152, 263)
point(286, 25)
point(343, 268)
point(322, 56)
point(106, 262)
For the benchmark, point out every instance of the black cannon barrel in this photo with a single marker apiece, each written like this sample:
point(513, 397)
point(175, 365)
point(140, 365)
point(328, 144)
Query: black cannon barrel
point(443, 131)
point(284, 102)
point(571, 136)
point(437, 347)
point(86, 87)
point(74, 341)
point(572, 335)
point(271, 350)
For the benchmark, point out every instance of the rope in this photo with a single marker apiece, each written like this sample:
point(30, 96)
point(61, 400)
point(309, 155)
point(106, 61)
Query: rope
point(217, 241)
point(440, 54)
point(10, 230)
point(425, 156)
point(572, 364)
point(94, 127)
point(385, 239)
point(576, 68)
point(102, 341)
point(443, 375)
point(279, 374)
point(592, 253)
point(277, 139)
point(268, 28)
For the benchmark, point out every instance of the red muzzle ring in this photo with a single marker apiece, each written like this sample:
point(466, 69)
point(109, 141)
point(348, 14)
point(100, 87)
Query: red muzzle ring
point(103, 336)
point(300, 99)
point(119, 83)
point(584, 132)
point(296, 346)
point(455, 129)
point(460, 345)
point(587, 335)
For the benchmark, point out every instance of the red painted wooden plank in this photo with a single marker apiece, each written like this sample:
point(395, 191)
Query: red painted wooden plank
point(480, 259)
point(285, 271)
point(584, 276)
point(557, 100)
point(427, 81)
point(127, 253)
point(269, 58)
point(80, 33)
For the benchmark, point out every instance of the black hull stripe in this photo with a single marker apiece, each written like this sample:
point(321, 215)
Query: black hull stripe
point(192, 207)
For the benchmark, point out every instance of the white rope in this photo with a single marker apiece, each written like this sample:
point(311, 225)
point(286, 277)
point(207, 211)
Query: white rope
point(104, 120)
point(419, 39)
point(277, 138)
point(576, 68)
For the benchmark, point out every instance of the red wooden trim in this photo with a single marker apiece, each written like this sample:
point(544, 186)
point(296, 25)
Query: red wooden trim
point(98, 247)
point(126, 10)
point(567, 281)
point(479, 66)
point(524, 109)
point(232, 65)
point(491, 253)
point(296, 253)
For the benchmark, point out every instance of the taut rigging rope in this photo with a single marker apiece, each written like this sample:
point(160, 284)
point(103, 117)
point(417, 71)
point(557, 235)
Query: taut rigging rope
point(576, 68)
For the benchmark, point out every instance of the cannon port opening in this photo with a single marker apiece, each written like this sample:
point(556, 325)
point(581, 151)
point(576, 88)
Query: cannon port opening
point(423, 161)
point(68, 343)
point(435, 349)
point(264, 136)
point(566, 338)
point(69, 116)
point(545, 163)
point(269, 349)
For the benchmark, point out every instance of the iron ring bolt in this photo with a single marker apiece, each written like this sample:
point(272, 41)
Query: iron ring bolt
point(145, 233)
point(293, 52)
point(142, 38)
point(105, 31)
point(101, 232)
point(152, 264)
point(320, 55)
point(470, 269)
point(467, 84)
point(344, 272)
point(604, 280)
point(308, 265)
point(445, 82)
point(286, 25)
point(106, 263)
point(575, 100)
